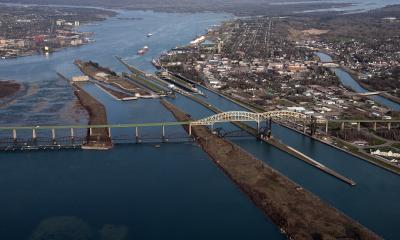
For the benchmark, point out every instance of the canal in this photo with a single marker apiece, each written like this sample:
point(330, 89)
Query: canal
point(139, 191)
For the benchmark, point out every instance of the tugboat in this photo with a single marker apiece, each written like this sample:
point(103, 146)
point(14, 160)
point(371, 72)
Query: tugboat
point(143, 50)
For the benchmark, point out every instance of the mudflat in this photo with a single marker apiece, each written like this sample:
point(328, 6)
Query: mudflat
point(8, 88)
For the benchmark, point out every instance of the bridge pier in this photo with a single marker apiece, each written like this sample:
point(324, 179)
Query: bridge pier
point(358, 126)
point(304, 128)
point(190, 129)
point(163, 134)
point(90, 132)
point(72, 134)
point(326, 127)
point(374, 126)
point(342, 126)
point(53, 135)
point(270, 124)
point(137, 135)
point(14, 133)
point(109, 133)
point(34, 134)
point(389, 126)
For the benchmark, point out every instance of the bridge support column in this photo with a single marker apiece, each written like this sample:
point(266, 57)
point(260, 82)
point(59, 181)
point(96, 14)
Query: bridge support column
point(258, 127)
point(90, 131)
point(14, 133)
point(374, 126)
point(72, 134)
point(137, 135)
point(342, 126)
point(109, 132)
point(270, 124)
point(304, 128)
point(190, 129)
point(53, 135)
point(389, 126)
point(358, 126)
point(163, 133)
point(34, 134)
point(326, 127)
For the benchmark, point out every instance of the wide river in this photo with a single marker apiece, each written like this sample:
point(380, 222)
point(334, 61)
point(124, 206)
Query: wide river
point(143, 192)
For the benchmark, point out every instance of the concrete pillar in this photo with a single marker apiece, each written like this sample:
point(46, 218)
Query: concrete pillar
point(190, 129)
point(389, 125)
point(72, 133)
point(14, 134)
point(342, 126)
point(33, 134)
point(374, 126)
point(137, 134)
point(270, 124)
point(109, 132)
point(163, 131)
point(326, 127)
point(53, 134)
point(90, 131)
point(358, 126)
point(304, 128)
point(258, 127)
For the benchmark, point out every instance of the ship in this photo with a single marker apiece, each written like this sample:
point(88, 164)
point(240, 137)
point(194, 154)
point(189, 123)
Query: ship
point(156, 63)
point(143, 50)
point(149, 34)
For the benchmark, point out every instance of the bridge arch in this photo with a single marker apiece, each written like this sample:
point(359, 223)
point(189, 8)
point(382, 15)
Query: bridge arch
point(243, 116)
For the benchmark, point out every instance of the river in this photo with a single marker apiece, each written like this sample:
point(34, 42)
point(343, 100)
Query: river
point(347, 80)
point(171, 192)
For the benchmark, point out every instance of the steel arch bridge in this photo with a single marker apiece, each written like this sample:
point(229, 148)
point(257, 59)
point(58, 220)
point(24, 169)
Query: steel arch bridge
point(243, 116)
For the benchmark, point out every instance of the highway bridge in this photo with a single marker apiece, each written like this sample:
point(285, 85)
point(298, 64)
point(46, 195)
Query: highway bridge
point(12, 132)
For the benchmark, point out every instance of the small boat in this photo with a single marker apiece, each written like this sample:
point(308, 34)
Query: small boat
point(156, 63)
point(149, 34)
point(143, 50)
point(157, 146)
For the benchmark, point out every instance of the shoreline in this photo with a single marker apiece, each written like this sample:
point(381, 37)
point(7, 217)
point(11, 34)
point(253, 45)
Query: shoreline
point(97, 138)
point(298, 213)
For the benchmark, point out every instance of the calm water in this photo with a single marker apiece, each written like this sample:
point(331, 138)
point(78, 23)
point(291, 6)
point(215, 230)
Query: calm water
point(348, 81)
point(172, 192)
point(133, 191)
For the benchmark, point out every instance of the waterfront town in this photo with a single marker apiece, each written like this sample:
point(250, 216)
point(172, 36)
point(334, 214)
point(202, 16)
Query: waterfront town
point(271, 64)
point(28, 30)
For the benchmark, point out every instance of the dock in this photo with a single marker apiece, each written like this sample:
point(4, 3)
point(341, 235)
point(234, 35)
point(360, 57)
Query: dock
point(107, 76)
